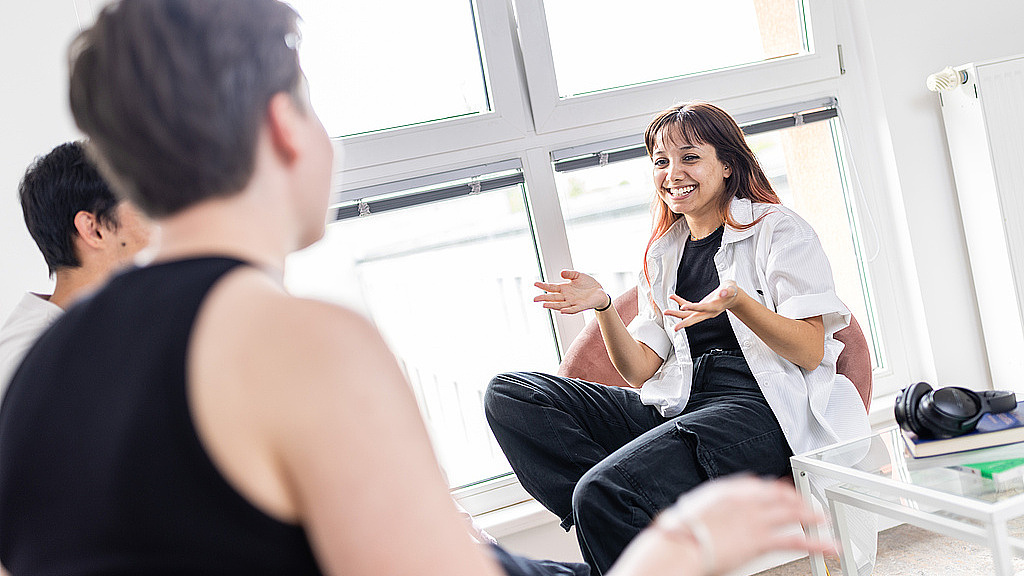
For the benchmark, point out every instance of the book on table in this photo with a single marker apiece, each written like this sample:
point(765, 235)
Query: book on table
point(1005, 473)
point(992, 430)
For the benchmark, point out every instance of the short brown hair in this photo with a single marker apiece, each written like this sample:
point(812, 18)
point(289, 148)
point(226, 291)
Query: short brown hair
point(173, 92)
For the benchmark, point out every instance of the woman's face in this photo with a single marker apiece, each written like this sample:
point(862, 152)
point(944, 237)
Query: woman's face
point(689, 177)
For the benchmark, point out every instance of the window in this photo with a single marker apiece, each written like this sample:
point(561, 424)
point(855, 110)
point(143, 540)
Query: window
point(347, 46)
point(537, 168)
point(629, 43)
point(807, 169)
point(608, 219)
point(446, 272)
point(604, 60)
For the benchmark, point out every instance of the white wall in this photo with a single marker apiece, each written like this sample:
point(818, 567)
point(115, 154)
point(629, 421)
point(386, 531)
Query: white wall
point(34, 35)
point(900, 43)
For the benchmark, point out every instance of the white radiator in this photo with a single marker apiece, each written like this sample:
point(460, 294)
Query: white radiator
point(983, 111)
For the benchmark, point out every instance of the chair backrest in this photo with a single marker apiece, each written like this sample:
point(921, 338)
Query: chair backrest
point(587, 359)
point(854, 361)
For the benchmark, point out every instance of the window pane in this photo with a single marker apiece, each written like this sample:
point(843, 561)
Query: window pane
point(450, 286)
point(363, 76)
point(608, 220)
point(804, 168)
point(609, 44)
point(803, 165)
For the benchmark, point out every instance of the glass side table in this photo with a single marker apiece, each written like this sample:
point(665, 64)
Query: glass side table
point(877, 474)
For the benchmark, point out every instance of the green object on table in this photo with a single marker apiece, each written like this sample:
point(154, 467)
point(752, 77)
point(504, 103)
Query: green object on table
point(998, 469)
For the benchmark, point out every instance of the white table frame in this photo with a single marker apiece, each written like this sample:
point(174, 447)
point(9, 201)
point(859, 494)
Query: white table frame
point(993, 516)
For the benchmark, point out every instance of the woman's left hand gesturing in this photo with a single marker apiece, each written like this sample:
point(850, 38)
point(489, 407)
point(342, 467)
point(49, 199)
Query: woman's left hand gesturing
point(718, 301)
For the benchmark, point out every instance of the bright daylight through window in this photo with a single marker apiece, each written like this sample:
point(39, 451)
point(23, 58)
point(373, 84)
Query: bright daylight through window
point(449, 284)
point(348, 46)
point(627, 43)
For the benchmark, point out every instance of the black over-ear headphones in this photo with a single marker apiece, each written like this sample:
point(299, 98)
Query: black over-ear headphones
point(949, 411)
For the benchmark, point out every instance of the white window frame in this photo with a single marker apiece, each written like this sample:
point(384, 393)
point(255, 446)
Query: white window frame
point(552, 113)
point(510, 133)
point(506, 121)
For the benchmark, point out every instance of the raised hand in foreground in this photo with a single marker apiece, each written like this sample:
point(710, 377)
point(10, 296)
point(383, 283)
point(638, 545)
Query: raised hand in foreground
point(719, 526)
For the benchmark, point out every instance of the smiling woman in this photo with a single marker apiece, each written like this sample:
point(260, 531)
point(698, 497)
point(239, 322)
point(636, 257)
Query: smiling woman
point(804, 165)
point(732, 348)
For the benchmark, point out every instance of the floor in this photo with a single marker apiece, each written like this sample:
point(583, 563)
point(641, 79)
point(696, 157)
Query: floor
point(906, 550)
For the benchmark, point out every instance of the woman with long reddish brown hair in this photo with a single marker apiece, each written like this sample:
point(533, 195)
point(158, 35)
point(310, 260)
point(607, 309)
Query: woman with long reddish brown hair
point(732, 350)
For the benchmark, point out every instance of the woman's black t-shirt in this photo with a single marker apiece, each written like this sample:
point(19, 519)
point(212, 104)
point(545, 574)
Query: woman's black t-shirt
point(696, 278)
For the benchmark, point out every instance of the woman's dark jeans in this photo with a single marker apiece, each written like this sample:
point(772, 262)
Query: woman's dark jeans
point(515, 565)
point(605, 462)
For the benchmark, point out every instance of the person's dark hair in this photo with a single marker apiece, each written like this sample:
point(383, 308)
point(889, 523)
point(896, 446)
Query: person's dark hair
point(173, 92)
point(55, 188)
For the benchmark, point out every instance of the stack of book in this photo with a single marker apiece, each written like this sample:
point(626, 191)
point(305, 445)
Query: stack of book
point(992, 430)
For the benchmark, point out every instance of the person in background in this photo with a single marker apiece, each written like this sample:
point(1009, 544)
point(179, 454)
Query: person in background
point(204, 421)
point(732, 350)
point(85, 234)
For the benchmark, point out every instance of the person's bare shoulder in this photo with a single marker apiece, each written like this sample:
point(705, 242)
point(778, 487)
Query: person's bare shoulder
point(272, 336)
point(308, 413)
point(270, 374)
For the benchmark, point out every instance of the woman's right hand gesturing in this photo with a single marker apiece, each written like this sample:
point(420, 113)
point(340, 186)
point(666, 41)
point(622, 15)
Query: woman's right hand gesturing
point(634, 360)
point(580, 293)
